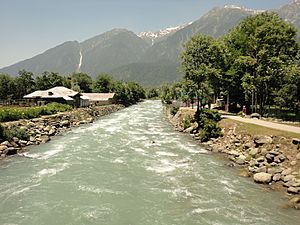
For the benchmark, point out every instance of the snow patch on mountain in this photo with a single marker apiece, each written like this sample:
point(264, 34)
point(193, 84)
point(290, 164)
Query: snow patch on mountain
point(153, 36)
point(255, 11)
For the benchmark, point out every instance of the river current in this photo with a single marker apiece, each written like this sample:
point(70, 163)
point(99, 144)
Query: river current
point(131, 168)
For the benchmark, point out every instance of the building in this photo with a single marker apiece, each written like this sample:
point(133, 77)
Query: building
point(100, 98)
point(67, 96)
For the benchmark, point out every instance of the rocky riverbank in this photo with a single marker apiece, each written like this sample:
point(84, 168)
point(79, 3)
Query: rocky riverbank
point(40, 130)
point(267, 159)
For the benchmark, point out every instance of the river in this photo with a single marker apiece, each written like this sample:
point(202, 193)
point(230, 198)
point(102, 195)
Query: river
point(131, 168)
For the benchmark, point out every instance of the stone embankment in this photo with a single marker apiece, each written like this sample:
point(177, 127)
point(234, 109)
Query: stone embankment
point(270, 160)
point(40, 130)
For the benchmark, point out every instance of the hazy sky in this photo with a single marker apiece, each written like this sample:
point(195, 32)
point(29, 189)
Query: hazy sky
point(29, 27)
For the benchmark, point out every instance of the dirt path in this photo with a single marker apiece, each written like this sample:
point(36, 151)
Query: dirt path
point(276, 126)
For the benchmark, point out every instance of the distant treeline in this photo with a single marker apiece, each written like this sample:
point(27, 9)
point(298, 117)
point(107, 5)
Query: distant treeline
point(127, 93)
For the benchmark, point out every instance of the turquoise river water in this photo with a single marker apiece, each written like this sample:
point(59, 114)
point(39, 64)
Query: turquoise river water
point(131, 168)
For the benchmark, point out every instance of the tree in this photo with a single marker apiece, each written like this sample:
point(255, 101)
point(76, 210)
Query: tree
point(83, 80)
point(24, 84)
point(48, 80)
point(203, 62)
point(103, 83)
point(6, 86)
point(262, 46)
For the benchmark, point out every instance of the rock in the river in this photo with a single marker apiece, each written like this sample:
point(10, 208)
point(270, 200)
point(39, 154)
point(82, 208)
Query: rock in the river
point(261, 140)
point(241, 160)
point(262, 178)
point(277, 177)
point(298, 156)
point(65, 123)
point(253, 152)
point(11, 151)
point(3, 147)
point(288, 178)
point(293, 190)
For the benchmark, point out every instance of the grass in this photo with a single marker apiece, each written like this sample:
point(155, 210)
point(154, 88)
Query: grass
point(254, 129)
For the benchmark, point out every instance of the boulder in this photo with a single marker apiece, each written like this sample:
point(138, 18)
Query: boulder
point(255, 115)
point(262, 178)
point(298, 156)
point(247, 145)
point(296, 141)
point(286, 172)
point(293, 190)
point(269, 158)
point(3, 147)
point(279, 158)
point(11, 151)
point(288, 178)
point(52, 131)
point(262, 169)
point(253, 152)
point(261, 140)
point(65, 123)
point(277, 177)
point(6, 143)
point(241, 160)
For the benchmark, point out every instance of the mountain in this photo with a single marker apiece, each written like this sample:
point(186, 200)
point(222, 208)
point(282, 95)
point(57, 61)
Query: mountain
point(102, 53)
point(149, 57)
point(291, 13)
point(63, 59)
point(157, 36)
point(110, 50)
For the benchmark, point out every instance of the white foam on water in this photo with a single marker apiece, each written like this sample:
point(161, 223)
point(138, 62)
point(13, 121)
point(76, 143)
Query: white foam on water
point(25, 189)
point(74, 138)
point(95, 190)
point(192, 149)
point(161, 153)
point(201, 211)
point(52, 171)
point(119, 161)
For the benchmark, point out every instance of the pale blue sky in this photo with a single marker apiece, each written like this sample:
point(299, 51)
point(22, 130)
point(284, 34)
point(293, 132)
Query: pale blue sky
point(29, 27)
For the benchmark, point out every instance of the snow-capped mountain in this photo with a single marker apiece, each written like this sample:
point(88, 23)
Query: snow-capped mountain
point(154, 37)
point(254, 11)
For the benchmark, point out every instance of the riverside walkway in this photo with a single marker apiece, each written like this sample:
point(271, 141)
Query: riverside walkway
point(264, 123)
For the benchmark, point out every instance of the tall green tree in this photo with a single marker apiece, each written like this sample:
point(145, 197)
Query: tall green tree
point(7, 87)
point(262, 46)
point(48, 80)
point(24, 84)
point(103, 83)
point(203, 61)
point(83, 80)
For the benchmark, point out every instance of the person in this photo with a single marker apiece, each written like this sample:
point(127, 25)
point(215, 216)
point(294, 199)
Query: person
point(244, 110)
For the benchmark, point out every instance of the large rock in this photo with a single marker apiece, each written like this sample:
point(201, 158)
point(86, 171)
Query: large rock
point(264, 178)
point(261, 140)
point(253, 152)
point(3, 147)
point(65, 123)
point(296, 141)
point(11, 151)
point(286, 171)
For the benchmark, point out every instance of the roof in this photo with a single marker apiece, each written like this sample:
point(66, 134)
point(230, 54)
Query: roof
point(56, 92)
point(94, 97)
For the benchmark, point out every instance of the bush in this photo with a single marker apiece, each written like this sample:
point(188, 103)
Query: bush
point(187, 121)
point(174, 109)
point(208, 124)
point(12, 132)
point(12, 114)
point(1, 132)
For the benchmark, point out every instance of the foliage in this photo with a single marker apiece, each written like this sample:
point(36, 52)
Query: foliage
point(152, 93)
point(208, 124)
point(262, 46)
point(187, 121)
point(103, 83)
point(1, 132)
point(174, 109)
point(6, 86)
point(83, 81)
point(48, 80)
point(128, 93)
point(14, 131)
point(24, 84)
point(12, 114)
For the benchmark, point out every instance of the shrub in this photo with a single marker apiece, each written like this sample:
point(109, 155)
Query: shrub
point(12, 114)
point(12, 132)
point(1, 132)
point(187, 121)
point(174, 109)
point(208, 124)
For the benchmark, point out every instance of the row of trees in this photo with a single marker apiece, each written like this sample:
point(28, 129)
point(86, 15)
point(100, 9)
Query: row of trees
point(256, 63)
point(25, 83)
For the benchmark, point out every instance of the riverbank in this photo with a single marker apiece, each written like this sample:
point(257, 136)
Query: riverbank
point(268, 156)
point(40, 130)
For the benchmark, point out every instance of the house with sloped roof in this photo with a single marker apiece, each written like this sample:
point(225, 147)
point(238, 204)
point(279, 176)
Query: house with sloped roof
point(67, 96)
point(100, 98)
